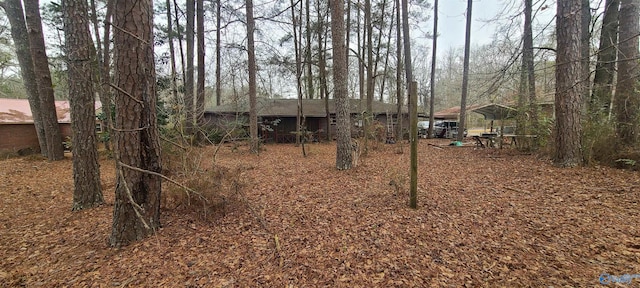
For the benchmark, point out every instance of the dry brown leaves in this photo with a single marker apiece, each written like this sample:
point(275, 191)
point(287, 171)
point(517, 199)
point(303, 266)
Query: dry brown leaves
point(487, 217)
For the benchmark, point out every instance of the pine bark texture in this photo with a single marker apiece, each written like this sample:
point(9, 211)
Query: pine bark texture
point(251, 51)
point(55, 150)
point(200, 55)
point(81, 59)
point(406, 39)
point(627, 98)
point(602, 91)
point(137, 202)
point(568, 100)
point(15, 14)
point(528, 61)
point(343, 122)
point(189, 96)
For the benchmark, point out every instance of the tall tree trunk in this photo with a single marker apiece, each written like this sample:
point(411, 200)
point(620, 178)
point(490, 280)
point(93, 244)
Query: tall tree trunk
point(43, 79)
point(218, 53)
point(568, 103)
point(15, 14)
point(172, 54)
point(378, 46)
point(585, 50)
point(627, 98)
point(343, 123)
point(361, 34)
point(465, 75)
point(81, 59)
point(106, 70)
point(348, 32)
point(296, 48)
point(602, 91)
point(199, 109)
point(408, 66)
point(399, 69)
point(180, 46)
point(189, 96)
point(433, 69)
point(308, 51)
point(103, 68)
point(323, 67)
point(406, 38)
point(368, 46)
point(385, 70)
point(527, 56)
point(521, 117)
point(301, 118)
point(136, 211)
point(253, 117)
point(386, 59)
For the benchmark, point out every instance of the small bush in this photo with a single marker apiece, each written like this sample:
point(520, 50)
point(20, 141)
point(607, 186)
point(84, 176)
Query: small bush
point(211, 193)
point(628, 159)
point(599, 143)
point(214, 136)
point(206, 192)
point(398, 181)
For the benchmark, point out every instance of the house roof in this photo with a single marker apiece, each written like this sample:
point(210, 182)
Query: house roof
point(310, 107)
point(18, 111)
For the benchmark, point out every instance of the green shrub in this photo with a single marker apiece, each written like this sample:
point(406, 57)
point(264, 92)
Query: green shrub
point(599, 142)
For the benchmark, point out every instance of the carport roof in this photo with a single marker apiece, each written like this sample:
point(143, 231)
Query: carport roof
point(495, 111)
point(489, 111)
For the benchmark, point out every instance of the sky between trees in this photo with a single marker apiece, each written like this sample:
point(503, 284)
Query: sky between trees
point(490, 18)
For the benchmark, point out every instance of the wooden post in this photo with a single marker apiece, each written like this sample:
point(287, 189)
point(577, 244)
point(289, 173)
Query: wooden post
point(413, 138)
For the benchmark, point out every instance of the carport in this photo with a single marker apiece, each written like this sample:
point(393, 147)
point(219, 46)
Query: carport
point(495, 112)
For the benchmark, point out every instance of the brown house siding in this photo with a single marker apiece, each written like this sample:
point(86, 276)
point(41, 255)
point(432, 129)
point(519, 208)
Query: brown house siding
point(14, 137)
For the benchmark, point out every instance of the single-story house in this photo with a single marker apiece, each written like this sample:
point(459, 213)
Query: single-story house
point(17, 131)
point(277, 117)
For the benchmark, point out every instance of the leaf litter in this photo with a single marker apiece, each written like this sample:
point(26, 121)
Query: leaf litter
point(486, 218)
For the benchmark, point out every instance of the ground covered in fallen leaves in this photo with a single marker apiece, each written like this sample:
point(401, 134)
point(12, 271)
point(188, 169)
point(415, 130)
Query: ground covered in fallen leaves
point(486, 217)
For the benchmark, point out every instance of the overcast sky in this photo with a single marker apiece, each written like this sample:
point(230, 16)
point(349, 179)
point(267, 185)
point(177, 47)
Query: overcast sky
point(452, 17)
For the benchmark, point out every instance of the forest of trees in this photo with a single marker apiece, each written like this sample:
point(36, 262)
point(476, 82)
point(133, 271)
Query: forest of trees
point(179, 57)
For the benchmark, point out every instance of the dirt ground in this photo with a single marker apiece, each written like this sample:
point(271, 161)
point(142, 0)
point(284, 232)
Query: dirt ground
point(486, 218)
